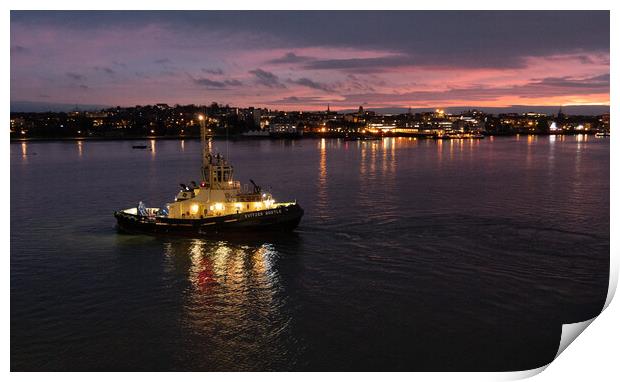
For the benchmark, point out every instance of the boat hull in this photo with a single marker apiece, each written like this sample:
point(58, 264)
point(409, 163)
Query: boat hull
point(284, 218)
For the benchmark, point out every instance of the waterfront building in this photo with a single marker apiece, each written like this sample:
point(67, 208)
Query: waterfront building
point(164, 120)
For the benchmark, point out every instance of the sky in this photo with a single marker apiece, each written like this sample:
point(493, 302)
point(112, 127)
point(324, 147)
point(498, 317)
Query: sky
point(306, 60)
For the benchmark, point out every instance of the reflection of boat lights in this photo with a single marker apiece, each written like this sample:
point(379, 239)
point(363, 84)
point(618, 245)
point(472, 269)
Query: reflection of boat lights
point(220, 261)
point(227, 284)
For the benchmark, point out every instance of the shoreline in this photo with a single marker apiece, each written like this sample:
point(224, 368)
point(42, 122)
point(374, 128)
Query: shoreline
point(241, 137)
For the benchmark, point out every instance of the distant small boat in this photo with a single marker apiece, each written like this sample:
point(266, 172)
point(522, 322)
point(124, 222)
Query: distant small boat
point(459, 136)
point(140, 147)
point(602, 134)
point(361, 137)
point(445, 136)
point(370, 138)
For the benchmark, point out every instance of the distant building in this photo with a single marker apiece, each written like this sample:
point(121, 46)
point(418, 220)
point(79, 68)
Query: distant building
point(285, 130)
point(256, 114)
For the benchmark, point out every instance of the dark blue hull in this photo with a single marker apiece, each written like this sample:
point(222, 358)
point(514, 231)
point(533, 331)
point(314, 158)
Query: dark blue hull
point(284, 218)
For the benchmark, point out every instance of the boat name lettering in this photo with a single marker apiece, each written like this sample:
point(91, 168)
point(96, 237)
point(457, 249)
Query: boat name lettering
point(261, 213)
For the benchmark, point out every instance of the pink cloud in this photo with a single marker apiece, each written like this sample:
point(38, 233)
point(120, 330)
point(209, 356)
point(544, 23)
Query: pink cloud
point(151, 63)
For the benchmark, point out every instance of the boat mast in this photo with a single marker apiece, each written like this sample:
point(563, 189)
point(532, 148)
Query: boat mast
point(205, 150)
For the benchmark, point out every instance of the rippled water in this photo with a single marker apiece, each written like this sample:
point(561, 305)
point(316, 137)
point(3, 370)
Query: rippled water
point(412, 255)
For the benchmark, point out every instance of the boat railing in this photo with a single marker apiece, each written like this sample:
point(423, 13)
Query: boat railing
point(150, 212)
point(248, 197)
point(230, 185)
point(284, 204)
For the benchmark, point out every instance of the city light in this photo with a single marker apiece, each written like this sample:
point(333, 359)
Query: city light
point(255, 122)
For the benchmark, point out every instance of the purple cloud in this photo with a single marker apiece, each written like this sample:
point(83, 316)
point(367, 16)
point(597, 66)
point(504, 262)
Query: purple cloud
point(312, 84)
point(219, 85)
point(267, 79)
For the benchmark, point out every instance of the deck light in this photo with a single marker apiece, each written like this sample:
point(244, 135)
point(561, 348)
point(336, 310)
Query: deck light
point(194, 208)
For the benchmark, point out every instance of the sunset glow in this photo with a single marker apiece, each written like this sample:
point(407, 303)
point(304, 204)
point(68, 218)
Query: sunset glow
point(288, 60)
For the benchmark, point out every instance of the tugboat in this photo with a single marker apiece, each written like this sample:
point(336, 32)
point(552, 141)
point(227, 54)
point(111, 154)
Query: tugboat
point(218, 204)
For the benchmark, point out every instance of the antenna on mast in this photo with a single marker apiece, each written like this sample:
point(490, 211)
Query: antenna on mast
point(203, 142)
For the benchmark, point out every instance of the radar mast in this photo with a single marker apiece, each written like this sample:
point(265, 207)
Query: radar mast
point(206, 148)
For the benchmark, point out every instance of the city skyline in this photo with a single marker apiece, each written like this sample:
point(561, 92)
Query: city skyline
point(306, 60)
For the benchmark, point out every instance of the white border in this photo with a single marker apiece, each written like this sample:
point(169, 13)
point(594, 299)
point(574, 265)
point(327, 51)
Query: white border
point(593, 356)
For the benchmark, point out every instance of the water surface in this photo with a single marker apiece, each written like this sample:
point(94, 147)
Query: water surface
point(412, 255)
